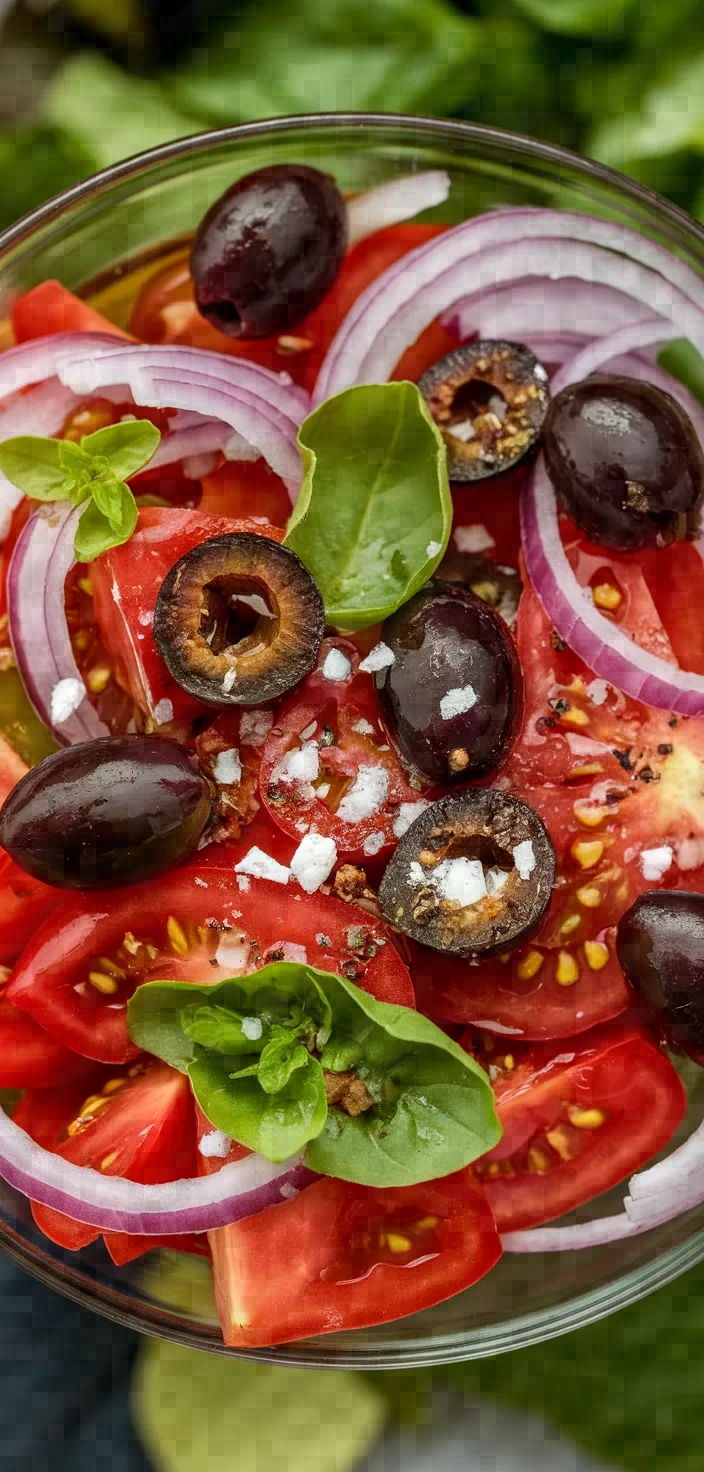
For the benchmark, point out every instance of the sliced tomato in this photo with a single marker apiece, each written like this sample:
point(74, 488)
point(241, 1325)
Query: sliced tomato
point(576, 1120)
point(137, 1123)
point(76, 975)
point(31, 1058)
point(245, 489)
point(126, 581)
point(50, 308)
point(337, 723)
point(24, 903)
point(12, 768)
point(227, 756)
point(343, 1257)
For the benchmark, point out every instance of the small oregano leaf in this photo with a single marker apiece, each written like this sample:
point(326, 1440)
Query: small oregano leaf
point(429, 1106)
point(96, 532)
point(127, 446)
point(374, 514)
point(34, 466)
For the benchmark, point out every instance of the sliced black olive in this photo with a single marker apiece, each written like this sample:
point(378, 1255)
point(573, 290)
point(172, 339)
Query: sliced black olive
point(453, 697)
point(106, 812)
point(239, 620)
point(495, 584)
point(473, 874)
point(269, 249)
point(489, 399)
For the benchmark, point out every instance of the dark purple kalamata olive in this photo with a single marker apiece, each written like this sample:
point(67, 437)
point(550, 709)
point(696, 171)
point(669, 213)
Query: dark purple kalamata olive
point(660, 944)
point(453, 697)
point(625, 460)
point(106, 812)
point(268, 250)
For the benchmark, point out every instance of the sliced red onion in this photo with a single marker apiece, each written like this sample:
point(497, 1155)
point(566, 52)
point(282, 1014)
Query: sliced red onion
point(32, 362)
point(571, 1239)
point(495, 249)
point(521, 308)
point(39, 633)
point(42, 410)
point(196, 1204)
point(394, 202)
point(604, 647)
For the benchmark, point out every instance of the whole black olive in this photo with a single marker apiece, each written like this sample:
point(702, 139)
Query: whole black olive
point(660, 944)
point(625, 459)
point(239, 620)
point(106, 812)
point(453, 698)
point(489, 400)
point(268, 250)
point(472, 875)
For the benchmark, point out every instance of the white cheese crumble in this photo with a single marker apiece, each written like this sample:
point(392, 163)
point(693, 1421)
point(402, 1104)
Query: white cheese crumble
point(373, 843)
point(66, 697)
point(228, 767)
point(597, 690)
point(288, 1191)
point(302, 764)
point(255, 726)
point(229, 680)
point(201, 883)
point(690, 853)
point(495, 880)
point(233, 955)
point(252, 1028)
point(656, 861)
point(289, 950)
point(464, 430)
point(364, 727)
point(313, 860)
point(244, 883)
point(215, 1145)
point(336, 666)
point(524, 858)
point(433, 548)
point(407, 814)
point(163, 712)
point(323, 790)
point(262, 866)
point(461, 880)
point(366, 795)
point(457, 701)
point(473, 538)
point(378, 658)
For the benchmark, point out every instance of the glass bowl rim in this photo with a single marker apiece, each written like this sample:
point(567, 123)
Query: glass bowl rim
point(528, 1329)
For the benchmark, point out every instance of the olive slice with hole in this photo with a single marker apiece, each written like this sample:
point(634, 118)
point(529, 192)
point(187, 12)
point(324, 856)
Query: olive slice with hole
point(239, 620)
point(489, 400)
point(473, 875)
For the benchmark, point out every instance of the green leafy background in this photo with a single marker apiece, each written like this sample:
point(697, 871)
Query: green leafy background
point(622, 80)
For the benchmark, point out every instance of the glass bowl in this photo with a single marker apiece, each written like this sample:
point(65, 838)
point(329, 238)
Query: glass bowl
point(91, 237)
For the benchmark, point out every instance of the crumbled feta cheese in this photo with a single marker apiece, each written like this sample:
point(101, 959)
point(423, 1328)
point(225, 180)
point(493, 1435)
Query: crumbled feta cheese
point(366, 795)
point(215, 1144)
point(457, 701)
point(255, 726)
point(163, 712)
point(244, 883)
point(228, 767)
point(201, 883)
point(252, 1028)
point(473, 538)
point(372, 843)
point(656, 861)
point(323, 790)
point(262, 866)
point(433, 548)
point(66, 697)
point(365, 728)
point(288, 1191)
point(313, 860)
point(287, 950)
point(336, 666)
point(464, 430)
point(495, 880)
point(323, 940)
point(146, 618)
point(407, 814)
point(229, 680)
point(378, 658)
point(524, 858)
point(690, 853)
point(597, 690)
point(233, 954)
point(302, 764)
point(461, 880)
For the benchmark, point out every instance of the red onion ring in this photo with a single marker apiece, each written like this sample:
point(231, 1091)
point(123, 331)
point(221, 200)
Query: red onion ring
point(603, 646)
point(394, 202)
point(521, 308)
point(492, 250)
point(112, 1203)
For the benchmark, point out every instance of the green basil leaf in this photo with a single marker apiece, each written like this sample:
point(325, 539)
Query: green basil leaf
point(218, 1029)
point(115, 500)
point(374, 514)
point(73, 459)
point(96, 532)
point(433, 1106)
point(276, 1125)
point(127, 447)
point(34, 465)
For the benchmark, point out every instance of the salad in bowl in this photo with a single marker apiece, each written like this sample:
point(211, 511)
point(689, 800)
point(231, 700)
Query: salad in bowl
point(352, 909)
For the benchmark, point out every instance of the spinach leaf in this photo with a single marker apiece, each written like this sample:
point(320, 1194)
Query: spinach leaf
point(374, 514)
point(430, 1106)
point(93, 472)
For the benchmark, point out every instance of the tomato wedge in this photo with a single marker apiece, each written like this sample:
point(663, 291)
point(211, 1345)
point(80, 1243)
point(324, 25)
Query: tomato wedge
point(126, 582)
point(31, 1058)
point(138, 1123)
point(24, 903)
point(76, 975)
point(50, 308)
point(349, 1256)
point(358, 784)
point(576, 1120)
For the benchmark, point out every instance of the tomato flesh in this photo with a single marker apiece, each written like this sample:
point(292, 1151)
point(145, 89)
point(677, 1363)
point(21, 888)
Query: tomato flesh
point(576, 1121)
point(30, 1058)
point(350, 1256)
point(198, 914)
point(50, 308)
